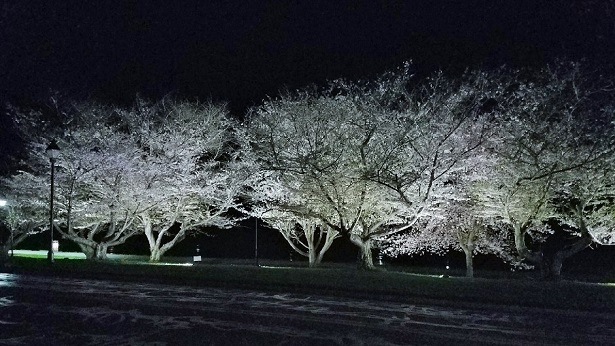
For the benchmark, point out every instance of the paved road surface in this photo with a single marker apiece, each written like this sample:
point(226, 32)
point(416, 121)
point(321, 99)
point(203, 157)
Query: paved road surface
point(37, 310)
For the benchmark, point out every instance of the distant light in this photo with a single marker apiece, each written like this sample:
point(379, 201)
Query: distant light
point(172, 264)
point(448, 267)
point(275, 267)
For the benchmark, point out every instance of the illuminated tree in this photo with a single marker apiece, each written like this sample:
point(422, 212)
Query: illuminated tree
point(586, 209)
point(99, 181)
point(25, 213)
point(315, 147)
point(93, 202)
point(282, 210)
point(307, 237)
point(191, 168)
point(166, 169)
point(430, 150)
point(365, 156)
point(455, 223)
point(460, 229)
point(553, 138)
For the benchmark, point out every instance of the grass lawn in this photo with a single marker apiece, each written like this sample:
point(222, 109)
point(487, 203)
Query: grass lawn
point(337, 280)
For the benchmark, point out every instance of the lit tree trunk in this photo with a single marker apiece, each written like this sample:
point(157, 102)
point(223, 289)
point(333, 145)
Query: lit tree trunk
point(156, 246)
point(365, 260)
point(6, 247)
point(468, 250)
point(94, 251)
point(312, 259)
point(469, 263)
point(331, 236)
point(311, 248)
point(95, 240)
point(466, 242)
point(101, 252)
point(521, 246)
point(309, 231)
point(152, 240)
point(296, 248)
point(155, 255)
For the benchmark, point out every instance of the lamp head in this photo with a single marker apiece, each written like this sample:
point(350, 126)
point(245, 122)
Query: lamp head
point(53, 150)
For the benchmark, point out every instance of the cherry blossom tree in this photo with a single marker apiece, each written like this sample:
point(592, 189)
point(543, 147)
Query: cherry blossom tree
point(434, 141)
point(586, 209)
point(25, 213)
point(153, 168)
point(459, 230)
point(307, 237)
point(37, 127)
point(98, 179)
point(281, 209)
point(193, 173)
point(370, 155)
point(315, 147)
point(553, 133)
point(456, 224)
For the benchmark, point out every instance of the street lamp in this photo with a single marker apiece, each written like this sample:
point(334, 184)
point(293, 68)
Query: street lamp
point(52, 151)
point(3, 204)
point(256, 241)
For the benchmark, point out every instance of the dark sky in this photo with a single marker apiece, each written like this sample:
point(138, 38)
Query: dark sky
point(241, 51)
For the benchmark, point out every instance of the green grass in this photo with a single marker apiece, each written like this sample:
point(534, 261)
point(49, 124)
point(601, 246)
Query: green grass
point(342, 280)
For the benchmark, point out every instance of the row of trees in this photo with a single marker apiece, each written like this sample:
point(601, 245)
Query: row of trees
point(162, 170)
point(490, 161)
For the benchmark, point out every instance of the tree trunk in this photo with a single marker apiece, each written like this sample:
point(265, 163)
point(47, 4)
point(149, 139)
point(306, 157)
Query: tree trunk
point(521, 247)
point(154, 247)
point(552, 261)
point(365, 260)
point(155, 254)
point(312, 259)
point(101, 252)
point(468, 251)
point(466, 242)
point(321, 254)
point(551, 267)
point(87, 250)
point(96, 252)
point(551, 264)
point(330, 237)
point(159, 249)
point(556, 266)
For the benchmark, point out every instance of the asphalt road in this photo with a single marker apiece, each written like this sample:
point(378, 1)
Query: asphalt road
point(40, 310)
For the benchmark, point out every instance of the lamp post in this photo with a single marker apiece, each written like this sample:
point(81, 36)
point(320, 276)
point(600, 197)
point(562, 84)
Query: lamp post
point(52, 151)
point(256, 242)
point(3, 204)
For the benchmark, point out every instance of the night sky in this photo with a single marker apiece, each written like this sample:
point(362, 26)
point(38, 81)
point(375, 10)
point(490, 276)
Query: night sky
point(243, 51)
